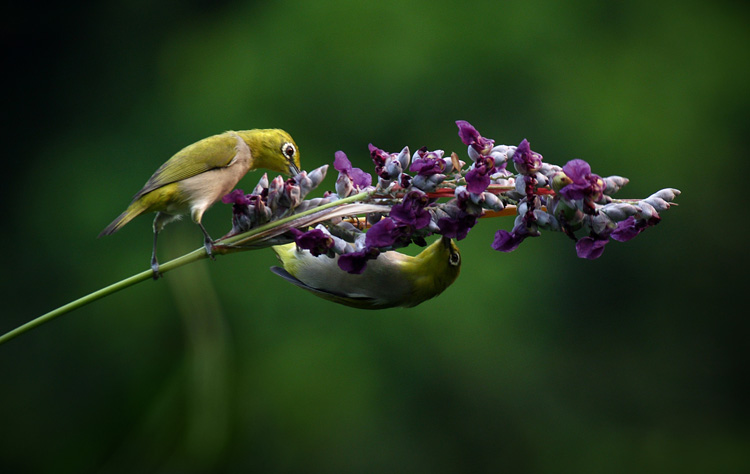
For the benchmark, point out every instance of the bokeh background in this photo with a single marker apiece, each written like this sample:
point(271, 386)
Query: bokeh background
point(534, 361)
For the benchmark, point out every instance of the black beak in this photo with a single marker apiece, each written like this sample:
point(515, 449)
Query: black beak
point(293, 170)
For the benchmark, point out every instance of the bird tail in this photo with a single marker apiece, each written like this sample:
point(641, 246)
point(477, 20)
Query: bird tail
point(130, 213)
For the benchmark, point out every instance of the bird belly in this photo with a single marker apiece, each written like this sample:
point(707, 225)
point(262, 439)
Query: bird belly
point(205, 189)
point(378, 281)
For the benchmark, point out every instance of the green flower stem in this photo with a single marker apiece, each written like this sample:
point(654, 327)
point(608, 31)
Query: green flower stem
point(194, 256)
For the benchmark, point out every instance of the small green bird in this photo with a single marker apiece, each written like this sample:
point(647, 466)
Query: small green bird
point(393, 279)
point(202, 173)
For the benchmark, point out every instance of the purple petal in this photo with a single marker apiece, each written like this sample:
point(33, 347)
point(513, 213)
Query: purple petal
point(458, 227)
point(315, 240)
point(341, 162)
point(577, 170)
point(236, 197)
point(410, 211)
point(506, 241)
point(427, 166)
point(476, 181)
point(382, 234)
point(360, 179)
point(378, 156)
point(524, 148)
point(626, 230)
point(590, 248)
point(467, 132)
point(354, 262)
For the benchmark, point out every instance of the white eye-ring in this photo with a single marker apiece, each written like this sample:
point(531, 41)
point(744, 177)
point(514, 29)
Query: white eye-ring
point(288, 150)
point(454, 259)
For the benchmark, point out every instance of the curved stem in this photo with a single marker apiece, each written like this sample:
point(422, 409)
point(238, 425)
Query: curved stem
point(191, 257)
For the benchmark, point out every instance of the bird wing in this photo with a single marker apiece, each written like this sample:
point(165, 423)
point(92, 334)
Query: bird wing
point(361, 302)
point(213, 152)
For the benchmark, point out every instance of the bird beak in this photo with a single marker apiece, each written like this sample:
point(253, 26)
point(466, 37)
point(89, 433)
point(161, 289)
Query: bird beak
point(293, 170)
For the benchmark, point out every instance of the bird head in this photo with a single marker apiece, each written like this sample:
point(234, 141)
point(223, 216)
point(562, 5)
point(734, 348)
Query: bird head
point(275, 150)
point(438, 267)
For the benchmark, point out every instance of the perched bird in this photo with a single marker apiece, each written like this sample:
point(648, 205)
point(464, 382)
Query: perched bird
point(393, 279)
point(202, 173)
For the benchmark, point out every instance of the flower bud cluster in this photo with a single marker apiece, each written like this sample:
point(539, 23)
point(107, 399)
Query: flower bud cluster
point(271, 200)
point(569, 199)
point(389, 166)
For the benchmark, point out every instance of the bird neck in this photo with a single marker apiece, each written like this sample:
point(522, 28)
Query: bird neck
point(260, 150)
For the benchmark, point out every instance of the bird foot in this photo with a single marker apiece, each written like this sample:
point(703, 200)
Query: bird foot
point(155, 269)
point(209, 246)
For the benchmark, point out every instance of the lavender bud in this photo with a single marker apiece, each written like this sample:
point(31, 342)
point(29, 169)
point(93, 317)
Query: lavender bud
point(541, 180)
point(473, 154)
point(523, 208)
point(491, 201)
point(339, 245)
point(612, 184)
point(304, 182)
point(461, 193)
point(403, 158)
point(619, 211)
point(550, 171)
point(291, 194)
point(311, 203)
point(600, 223)
point(262, 184)
point(275, 189)
point(318, 175)
point(344, 186)
point(668, 194)
point(647, 210)
point(545, 220)
point(427, 183)
point(448, 165)
point(658, 203)
point(501, 154)
point(393, 168)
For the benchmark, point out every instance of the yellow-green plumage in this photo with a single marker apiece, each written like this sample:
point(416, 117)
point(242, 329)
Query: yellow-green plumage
point(200, 174)
point(393, 279)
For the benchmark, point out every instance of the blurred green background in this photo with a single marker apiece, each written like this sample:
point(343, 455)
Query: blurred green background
point(534, 361)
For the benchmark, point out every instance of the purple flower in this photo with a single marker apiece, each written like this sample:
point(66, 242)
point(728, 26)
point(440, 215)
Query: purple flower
point(478, 178)
point(590, 248)
point(380, 158)
point(315, 240)
point(458, 226)
point(290, 194)
point(631, 227)
point(356, 262)
point(410, 211)
point(388, 166)
point(359, 178)
point(585, 185)
point(471, 137)
point(428, 163)
point(387, 233)
point(526, 161)
point(404, 180)
point(626, 230)
point(236, 197)
point(507, 241)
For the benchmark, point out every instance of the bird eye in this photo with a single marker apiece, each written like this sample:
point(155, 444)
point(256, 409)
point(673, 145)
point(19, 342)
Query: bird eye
point(454, 259)
point(288, 150)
